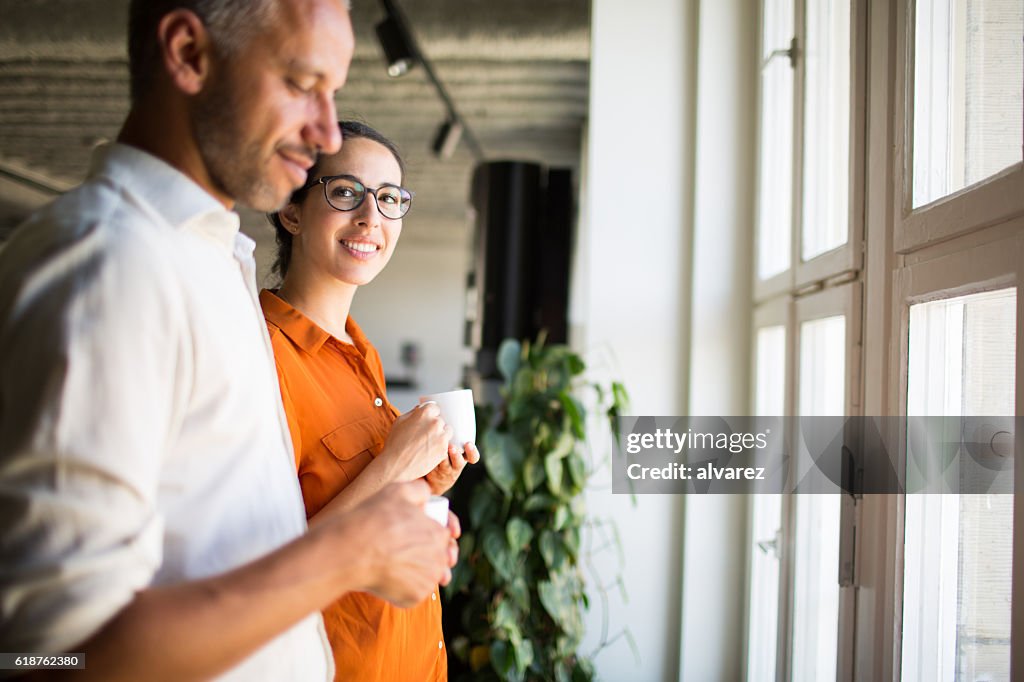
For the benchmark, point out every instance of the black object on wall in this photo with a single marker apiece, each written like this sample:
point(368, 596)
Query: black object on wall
point(519, 280)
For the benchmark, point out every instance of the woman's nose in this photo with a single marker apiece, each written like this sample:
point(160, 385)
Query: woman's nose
point(369, 212)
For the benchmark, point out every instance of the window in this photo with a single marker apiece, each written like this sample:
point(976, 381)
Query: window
point(826, 147)
point(766, 511)
point(957, 563)
point(968, 80)
point(807, 260)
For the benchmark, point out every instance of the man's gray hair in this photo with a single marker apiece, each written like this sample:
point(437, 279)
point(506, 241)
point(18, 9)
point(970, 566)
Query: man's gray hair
point(231, 24)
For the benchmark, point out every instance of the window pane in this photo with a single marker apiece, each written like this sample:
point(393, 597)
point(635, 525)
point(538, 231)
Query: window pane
point(816, 535)
point(770, 386)
point(766, 521)
point(823, 367)
point(775, 184)
point(957, 554)
point(764, 587)
point(826, 172)
point(968, 93)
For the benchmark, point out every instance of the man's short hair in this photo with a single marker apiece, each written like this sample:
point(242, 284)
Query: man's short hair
point(231, 24)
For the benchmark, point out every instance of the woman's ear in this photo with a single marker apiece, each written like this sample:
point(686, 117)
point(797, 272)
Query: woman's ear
point(289, 216)
point(185, 46)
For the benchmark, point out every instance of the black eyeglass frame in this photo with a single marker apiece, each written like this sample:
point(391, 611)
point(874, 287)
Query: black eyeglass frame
point(327, 179)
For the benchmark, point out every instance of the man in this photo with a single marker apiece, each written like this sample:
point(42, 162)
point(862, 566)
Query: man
point(149, 512)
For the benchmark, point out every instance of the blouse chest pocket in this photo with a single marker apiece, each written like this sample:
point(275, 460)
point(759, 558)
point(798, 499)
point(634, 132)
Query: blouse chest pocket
point(354, 445)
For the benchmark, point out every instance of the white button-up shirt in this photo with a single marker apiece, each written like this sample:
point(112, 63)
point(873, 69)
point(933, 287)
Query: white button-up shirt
point(142, 439)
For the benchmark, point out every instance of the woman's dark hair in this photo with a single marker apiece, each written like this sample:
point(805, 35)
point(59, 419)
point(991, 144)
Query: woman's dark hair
point(349, 130)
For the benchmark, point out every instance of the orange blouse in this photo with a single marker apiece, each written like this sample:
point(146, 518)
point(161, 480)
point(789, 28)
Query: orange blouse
point(339, 417)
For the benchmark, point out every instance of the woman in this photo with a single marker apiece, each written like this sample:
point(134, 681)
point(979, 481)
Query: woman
point(337, 233)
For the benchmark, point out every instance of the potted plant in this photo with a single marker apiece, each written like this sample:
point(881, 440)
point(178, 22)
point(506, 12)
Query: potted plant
point(519, 589)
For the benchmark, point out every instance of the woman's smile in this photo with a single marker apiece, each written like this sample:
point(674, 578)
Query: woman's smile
point(363, 250)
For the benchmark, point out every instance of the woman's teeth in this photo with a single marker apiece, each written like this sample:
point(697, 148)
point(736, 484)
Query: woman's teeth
point(362, 247)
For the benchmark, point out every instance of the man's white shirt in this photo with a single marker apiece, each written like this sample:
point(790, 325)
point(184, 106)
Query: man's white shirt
point(142, 438)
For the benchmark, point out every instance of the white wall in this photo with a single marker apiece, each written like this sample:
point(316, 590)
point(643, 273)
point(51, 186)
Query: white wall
point(714, 556)
point(629, 298)
point(419, 297)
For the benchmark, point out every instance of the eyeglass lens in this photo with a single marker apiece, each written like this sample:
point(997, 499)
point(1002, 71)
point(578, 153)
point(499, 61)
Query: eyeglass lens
point(346, 194)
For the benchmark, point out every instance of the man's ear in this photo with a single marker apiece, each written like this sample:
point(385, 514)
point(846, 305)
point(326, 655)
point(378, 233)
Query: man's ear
point(289, 216)
point(185, 46)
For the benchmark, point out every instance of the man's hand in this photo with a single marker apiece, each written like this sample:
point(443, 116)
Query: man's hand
point(392, 548)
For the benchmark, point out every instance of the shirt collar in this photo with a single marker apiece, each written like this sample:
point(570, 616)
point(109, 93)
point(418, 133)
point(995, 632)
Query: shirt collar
point(304, 332)
point(167, 191)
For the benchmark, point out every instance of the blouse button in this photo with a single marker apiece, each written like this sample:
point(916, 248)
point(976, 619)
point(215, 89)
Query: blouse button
point(433, 596)
point(440, 645)
point(378, 402)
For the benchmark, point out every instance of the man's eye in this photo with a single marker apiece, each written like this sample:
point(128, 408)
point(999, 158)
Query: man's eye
point(299, 87)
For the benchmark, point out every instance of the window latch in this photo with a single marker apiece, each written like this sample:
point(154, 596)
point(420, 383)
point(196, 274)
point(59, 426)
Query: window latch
point(792, 52)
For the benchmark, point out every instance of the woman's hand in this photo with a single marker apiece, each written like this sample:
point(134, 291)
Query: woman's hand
point(417, 443)
point(444, 475)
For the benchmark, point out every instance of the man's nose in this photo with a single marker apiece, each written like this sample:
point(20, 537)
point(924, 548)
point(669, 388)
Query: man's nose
point(323, 132)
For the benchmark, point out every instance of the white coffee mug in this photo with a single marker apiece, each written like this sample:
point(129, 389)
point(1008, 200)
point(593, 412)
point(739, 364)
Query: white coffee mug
point(437, 509)
point(457, 411)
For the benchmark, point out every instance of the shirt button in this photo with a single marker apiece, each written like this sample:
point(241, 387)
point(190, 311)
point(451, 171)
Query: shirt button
point(433, 596)
point(378, 402)
point(440, 645)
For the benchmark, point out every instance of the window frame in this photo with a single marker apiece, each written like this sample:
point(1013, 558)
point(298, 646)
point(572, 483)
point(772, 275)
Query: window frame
point(991, 201)
point(982, 263)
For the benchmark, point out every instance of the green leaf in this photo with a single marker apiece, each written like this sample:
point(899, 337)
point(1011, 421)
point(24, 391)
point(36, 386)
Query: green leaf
point(506, 618)
point(497, 552)
point(574, 364)
point(553, 469)
point(523, 650)
point(561, 516)
point(552, 550)
point(508, 359)
point(621, 397)
point(533, 473)
point(577, 472)
point(574, 409)
point(571, 539)
point(461, 574)
point(519, 592)
point(521, 390)
point(483, 504)
point(503, 457)
point(502, 658)
point(539, 501)
point(557, 603)
point(583, 671)
point(564, 445)
point(519, 534)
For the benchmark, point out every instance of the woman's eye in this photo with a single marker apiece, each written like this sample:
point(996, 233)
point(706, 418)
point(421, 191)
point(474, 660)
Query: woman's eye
point(344, 192)
point(390, 198)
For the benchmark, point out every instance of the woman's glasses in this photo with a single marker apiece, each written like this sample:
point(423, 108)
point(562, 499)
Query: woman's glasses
point(346, 193)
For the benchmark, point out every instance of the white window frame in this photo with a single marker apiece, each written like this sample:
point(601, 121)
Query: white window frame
point(776, 312)
point(843, 300)
point(981, 264)
point(991, 201)
point(843, 262)
point(963, 243)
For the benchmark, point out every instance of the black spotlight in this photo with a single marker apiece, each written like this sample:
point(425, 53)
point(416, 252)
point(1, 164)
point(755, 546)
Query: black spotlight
point(398, 50)
point(447, 138)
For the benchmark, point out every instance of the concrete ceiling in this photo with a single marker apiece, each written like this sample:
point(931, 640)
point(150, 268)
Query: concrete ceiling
point(517, 71)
